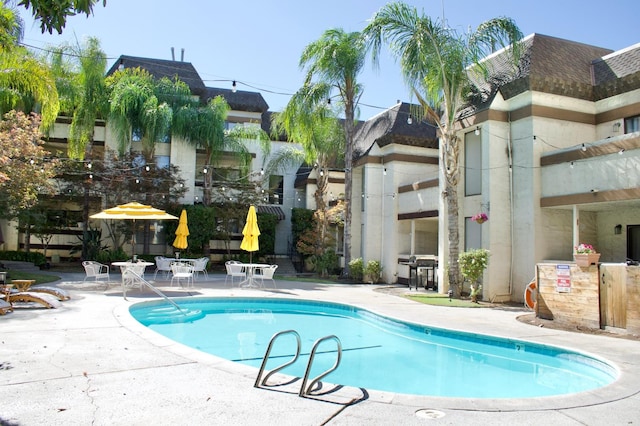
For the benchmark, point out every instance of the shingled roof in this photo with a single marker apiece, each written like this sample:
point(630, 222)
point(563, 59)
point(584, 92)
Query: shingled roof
point(160, 68)
point(617, 72)
point(549, 65)
point(240, 100)
point(391, 126)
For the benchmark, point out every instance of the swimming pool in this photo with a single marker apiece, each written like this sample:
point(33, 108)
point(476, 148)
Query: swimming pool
point(378, 352)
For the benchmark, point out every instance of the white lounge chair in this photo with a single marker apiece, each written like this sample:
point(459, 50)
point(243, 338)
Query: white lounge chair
point(266, 273)
point(163, 264)
point(182, 271)
point(200, 265)
point(234, 269)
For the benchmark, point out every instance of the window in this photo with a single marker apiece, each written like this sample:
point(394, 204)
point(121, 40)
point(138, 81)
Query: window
point(472, 234)
point(472, 164)
point(162, 161)
point(136, 135)
point(276, 189)
point(632, 124)
point(165, 139)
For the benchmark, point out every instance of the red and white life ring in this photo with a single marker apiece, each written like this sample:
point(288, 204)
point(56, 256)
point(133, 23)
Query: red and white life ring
point(530, 295)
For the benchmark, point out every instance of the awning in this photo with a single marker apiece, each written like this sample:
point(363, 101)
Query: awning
point(276, 211)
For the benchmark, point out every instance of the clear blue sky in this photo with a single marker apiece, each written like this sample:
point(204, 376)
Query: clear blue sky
point(259, 42)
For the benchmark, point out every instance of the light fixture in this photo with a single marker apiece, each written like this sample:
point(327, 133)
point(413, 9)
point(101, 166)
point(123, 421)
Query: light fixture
point(261, 172)
point(205, 171)
point(121, 65)
point(233, 86)
point(621, 151)
point(147, 168)
point(89, 165)
point(328, 101)
point(584, 147)
point(477, 131)
point(137, 180)
point(616, 126)
point(384, 171)
point(321, 172)
point(571, 164)
point(594, 190)
point(617, 229)
point(410, 119)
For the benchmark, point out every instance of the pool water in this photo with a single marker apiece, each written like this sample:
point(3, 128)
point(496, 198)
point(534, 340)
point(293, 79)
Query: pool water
point(378, 352)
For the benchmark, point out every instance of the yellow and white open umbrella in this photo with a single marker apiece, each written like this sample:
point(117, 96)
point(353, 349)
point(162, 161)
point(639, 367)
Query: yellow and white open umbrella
point(250, 233)
point(182, 232)
point(133, 211)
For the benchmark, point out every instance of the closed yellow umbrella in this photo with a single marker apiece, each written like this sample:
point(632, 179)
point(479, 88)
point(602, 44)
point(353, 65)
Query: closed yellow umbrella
point(250, 232)
point(182, 232)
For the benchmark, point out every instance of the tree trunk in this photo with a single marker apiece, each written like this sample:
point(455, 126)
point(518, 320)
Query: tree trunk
point(450, 150)
point(348, 177)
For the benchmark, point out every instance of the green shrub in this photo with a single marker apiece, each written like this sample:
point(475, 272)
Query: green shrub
point(36, 258)
point(356, 269)
point(373, 271)
point(327, 263)
point(473, 263)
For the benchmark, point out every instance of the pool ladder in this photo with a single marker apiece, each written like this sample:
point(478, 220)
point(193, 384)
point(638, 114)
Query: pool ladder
point(304, 389)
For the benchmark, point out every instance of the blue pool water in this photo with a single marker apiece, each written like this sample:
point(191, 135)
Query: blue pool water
point(378, 352)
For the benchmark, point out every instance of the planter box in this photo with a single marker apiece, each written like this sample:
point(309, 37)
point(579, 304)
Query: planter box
point(584, 260)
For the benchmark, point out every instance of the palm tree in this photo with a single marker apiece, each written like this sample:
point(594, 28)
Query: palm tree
point(137, 105)
point(332, 63)
point(438, 65)
point(24, 81)
point(84, 94)
point(205, 127)
point(322, 138)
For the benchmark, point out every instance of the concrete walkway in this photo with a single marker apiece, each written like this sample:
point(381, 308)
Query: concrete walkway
point(90, 363)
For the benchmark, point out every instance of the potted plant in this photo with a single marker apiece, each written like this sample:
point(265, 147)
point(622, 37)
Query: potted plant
point(585, 254)
point(480, 218)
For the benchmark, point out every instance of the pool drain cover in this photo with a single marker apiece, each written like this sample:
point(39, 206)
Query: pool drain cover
point(427, 413)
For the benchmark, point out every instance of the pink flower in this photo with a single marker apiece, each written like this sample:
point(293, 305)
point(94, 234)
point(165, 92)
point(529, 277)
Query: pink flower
point(585, 248)
point(480, 217)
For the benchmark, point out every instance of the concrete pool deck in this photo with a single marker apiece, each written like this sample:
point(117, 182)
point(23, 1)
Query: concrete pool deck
point(89, 362)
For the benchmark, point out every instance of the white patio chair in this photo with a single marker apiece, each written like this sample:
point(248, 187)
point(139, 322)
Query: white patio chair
point(234, 269)
point(163, 264)
point(182, 271)
point(132, 275)
point(96, 270)
point(266, 273)
point(200, 265)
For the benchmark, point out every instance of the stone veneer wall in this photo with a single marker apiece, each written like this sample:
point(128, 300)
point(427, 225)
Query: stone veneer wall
point(633, 299)
point(578, 307)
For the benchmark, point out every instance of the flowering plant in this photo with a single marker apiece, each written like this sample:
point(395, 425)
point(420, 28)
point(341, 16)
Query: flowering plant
point(480, 217)
point(585, 249)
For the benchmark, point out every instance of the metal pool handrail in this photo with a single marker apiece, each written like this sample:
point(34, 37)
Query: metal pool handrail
point(258, 383)
point(148, 284)
point(304, 390)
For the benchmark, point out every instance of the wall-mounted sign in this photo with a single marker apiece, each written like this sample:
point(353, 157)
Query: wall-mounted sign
point(563, 278)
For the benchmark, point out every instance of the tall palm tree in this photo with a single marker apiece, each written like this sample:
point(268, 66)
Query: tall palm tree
point(83, 90)
point(137, 105)
point(86, 97)
point(438, 65)
point(25, 82)
point(332, 64)
point(322, 139)
point(204, 126)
